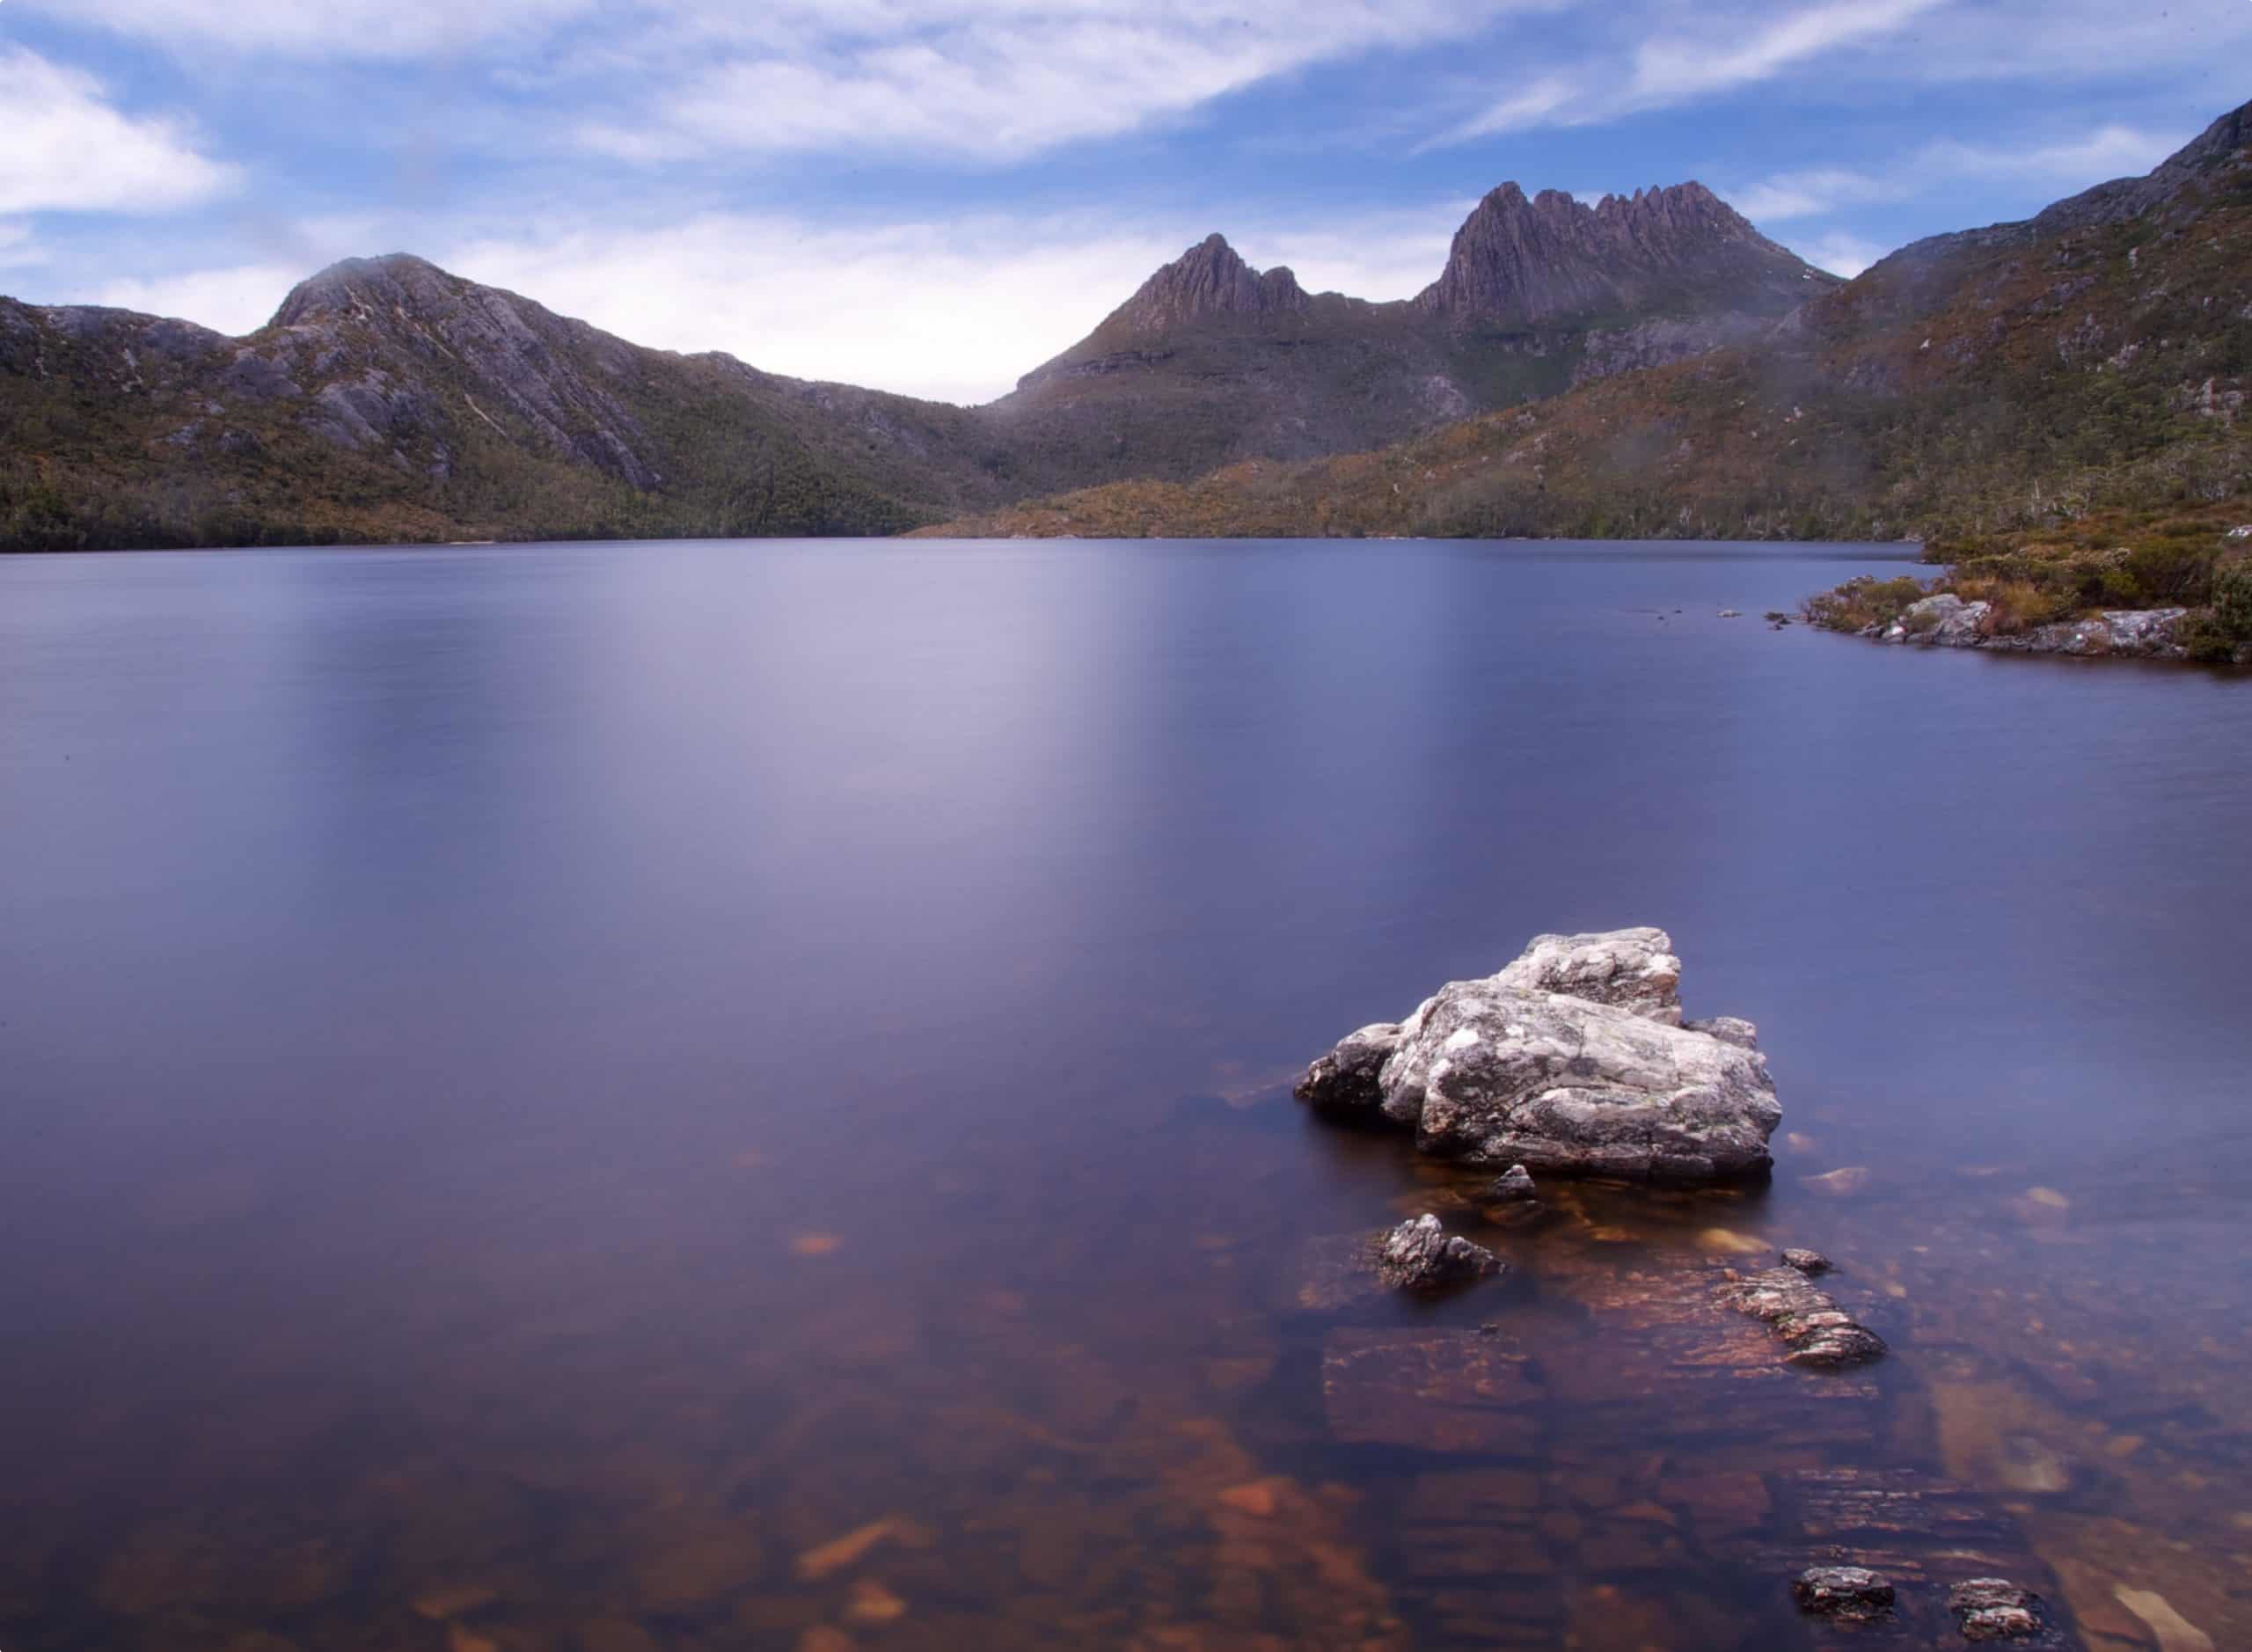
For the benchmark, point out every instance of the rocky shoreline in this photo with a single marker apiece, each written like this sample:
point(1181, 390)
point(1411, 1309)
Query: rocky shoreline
point(1944, 620)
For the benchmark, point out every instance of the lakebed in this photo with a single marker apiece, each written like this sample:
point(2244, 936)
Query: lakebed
point(711, 1095)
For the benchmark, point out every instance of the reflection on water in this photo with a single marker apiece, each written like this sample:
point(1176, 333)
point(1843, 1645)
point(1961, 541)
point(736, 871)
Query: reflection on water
point(630, 1097)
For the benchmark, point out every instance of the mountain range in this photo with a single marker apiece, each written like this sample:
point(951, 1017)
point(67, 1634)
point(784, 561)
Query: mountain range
point(2072, 382)
point(389, 399)
point(1649, 364)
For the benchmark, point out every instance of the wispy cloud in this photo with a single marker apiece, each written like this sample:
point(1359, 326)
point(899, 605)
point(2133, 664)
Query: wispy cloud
point(2111, 151)
point(996, 80)
point(1673, 67)
point(1811, 194)
point(65, 147)
point(1724, 57)
point(337, 29)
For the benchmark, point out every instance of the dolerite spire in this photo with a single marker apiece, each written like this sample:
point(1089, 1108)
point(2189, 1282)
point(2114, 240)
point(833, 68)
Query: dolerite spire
point(1210, 278)
point(1553, 259)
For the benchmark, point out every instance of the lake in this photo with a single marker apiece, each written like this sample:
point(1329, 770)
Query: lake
point(704, 1095)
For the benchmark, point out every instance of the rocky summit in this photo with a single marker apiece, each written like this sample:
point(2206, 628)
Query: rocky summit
point(1553, 258)
point(1210, 278)
point(1573, 1060)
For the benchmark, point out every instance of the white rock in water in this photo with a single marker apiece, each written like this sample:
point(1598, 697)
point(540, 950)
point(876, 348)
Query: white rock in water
point(1572, 1060)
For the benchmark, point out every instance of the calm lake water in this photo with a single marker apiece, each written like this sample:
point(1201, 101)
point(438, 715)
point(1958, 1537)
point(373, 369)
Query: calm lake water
point(698, 1096)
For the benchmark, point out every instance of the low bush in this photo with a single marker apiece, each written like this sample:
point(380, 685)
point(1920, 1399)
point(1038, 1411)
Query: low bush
point(2232, 598)
point(1862, 601)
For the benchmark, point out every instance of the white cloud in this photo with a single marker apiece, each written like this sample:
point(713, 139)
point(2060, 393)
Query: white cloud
point(953, 310)
point(18, 249)
point(949, 308)
point(236, 300)
point(1841, 254)
point(64, 148)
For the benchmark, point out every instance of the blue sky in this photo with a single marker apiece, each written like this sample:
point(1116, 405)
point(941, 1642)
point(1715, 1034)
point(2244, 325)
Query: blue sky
point(932, 197)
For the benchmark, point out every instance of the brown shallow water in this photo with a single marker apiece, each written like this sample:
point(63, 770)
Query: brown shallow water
point(708, 1096)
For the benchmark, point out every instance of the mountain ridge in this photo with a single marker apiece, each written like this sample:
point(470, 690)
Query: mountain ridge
point(388, 398)
point(2069, 386)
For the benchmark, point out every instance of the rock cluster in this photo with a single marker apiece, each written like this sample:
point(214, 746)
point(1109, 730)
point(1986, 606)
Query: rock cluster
point(1995, 1609)
point(1851, 1592)
point(1573, 1060)
point(1818, 1332)
point(1422, 1255)
point(1946, 621)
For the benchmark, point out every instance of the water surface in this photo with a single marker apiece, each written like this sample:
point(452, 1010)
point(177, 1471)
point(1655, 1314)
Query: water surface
point(720, 1094)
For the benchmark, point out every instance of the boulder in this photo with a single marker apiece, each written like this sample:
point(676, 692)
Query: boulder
point(1572, 1061)
point(1808, 1262)
point(1944, 619)
point(1422, 1255)
point(1851, 1592)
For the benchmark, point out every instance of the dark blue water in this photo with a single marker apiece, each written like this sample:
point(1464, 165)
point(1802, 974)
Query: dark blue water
point(542, 1084)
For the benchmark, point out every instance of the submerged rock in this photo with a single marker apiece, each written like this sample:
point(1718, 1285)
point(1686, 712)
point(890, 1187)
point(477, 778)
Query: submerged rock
point(1572, 1060)
point(1805, 1317)
point(1422, 1255)
point(1808, 1262)
point(1995, 1609)
point(1512, 1186)
point(1851, 1592)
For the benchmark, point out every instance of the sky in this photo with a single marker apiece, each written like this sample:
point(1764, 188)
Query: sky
point(933, 196)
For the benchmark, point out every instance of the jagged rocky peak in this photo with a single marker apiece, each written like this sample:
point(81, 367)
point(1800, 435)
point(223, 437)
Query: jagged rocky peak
point(1210, 279)
point(1553, 258)
point(363, 286)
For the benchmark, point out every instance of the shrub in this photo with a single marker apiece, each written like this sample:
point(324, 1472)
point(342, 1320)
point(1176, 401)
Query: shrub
point(1862, 601)
point(2207, 639)
point(2232, 598)
point(2170, 572)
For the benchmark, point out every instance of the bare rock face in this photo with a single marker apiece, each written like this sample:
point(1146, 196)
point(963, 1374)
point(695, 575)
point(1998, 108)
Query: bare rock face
point(560, 377)
point(1422, 1255)
point(1631, 970)
point(1851, 1592)
point(1210, 279)
point(1518, 259)
point(1819, 1333)
point(1570, 1061)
